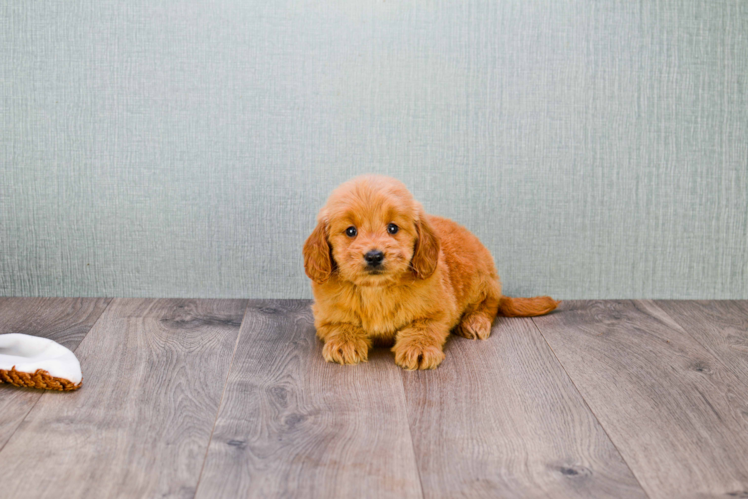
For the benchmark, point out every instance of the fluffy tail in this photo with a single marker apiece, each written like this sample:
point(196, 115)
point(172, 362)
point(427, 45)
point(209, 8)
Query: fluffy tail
point(535, 306)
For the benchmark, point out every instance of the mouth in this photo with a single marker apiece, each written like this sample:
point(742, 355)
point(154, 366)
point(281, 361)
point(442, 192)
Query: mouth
point(374, 271)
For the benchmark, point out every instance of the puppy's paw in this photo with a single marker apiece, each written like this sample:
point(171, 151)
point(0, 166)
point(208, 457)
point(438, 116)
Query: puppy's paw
point(416, 356)
point(474, 326)
point(348, 351)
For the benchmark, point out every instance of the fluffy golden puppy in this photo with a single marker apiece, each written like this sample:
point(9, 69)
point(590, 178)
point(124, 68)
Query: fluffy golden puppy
point(384, 272)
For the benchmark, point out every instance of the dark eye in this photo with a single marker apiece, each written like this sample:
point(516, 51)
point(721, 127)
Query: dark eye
point(351, 232)
point(392, 228)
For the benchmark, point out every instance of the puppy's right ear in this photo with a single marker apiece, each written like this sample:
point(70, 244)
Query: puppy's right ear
point(317, 259)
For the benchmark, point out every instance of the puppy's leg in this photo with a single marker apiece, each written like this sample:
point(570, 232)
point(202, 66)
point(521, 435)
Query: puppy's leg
point(476, 322)
point(344, 343)
point(419, 346)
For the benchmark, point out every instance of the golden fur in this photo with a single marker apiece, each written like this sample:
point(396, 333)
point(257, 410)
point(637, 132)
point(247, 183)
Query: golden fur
point(436, 277)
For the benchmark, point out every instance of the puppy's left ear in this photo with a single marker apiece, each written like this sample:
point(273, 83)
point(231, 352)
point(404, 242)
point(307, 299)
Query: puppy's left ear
point(317, 258)
point(426, 253)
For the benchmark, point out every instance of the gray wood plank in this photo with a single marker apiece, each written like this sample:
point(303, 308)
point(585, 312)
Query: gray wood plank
point(291, 425)
point(64, 320)
point(721, 326)
point(677, 415)
point(141, 423)
point(500, 418)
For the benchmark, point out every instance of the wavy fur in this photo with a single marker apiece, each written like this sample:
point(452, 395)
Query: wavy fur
point(436, 278)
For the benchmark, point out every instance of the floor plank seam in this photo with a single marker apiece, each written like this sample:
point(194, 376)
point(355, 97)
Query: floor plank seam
point(20, 423)
point(410, 433)
point(695, 338)
point(220, 402)
point(649, 495)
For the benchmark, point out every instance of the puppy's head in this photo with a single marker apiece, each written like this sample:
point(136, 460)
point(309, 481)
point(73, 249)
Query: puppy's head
point(371, 232)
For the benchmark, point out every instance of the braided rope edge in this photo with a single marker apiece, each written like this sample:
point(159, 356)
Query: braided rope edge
point(41, 379)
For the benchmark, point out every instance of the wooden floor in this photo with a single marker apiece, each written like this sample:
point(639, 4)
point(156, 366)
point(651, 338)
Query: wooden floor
point(231, 398)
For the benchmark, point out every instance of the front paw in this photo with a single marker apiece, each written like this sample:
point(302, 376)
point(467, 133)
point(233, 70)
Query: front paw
point(346, 351)
point(474, 326)
point(414, 355)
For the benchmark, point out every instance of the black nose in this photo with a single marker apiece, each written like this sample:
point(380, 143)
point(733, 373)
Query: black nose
point(374, 257)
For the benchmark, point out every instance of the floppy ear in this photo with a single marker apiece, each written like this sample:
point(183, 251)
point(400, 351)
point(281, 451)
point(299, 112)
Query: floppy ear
point(426, 253)
point(317, 259)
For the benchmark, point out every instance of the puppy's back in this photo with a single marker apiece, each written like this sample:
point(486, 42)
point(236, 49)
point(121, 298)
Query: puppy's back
point(467, 260)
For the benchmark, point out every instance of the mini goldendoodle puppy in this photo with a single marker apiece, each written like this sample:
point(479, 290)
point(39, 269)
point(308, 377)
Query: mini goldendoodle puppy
point(384, 272)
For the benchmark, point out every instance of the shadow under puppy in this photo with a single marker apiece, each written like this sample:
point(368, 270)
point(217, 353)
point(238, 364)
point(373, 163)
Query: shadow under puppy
point(385, 272)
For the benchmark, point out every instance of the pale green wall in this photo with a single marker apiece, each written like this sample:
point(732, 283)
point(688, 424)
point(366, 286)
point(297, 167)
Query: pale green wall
point(598, 148)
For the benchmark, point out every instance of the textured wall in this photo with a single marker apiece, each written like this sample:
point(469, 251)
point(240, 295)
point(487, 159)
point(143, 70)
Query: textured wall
point(147, 148)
